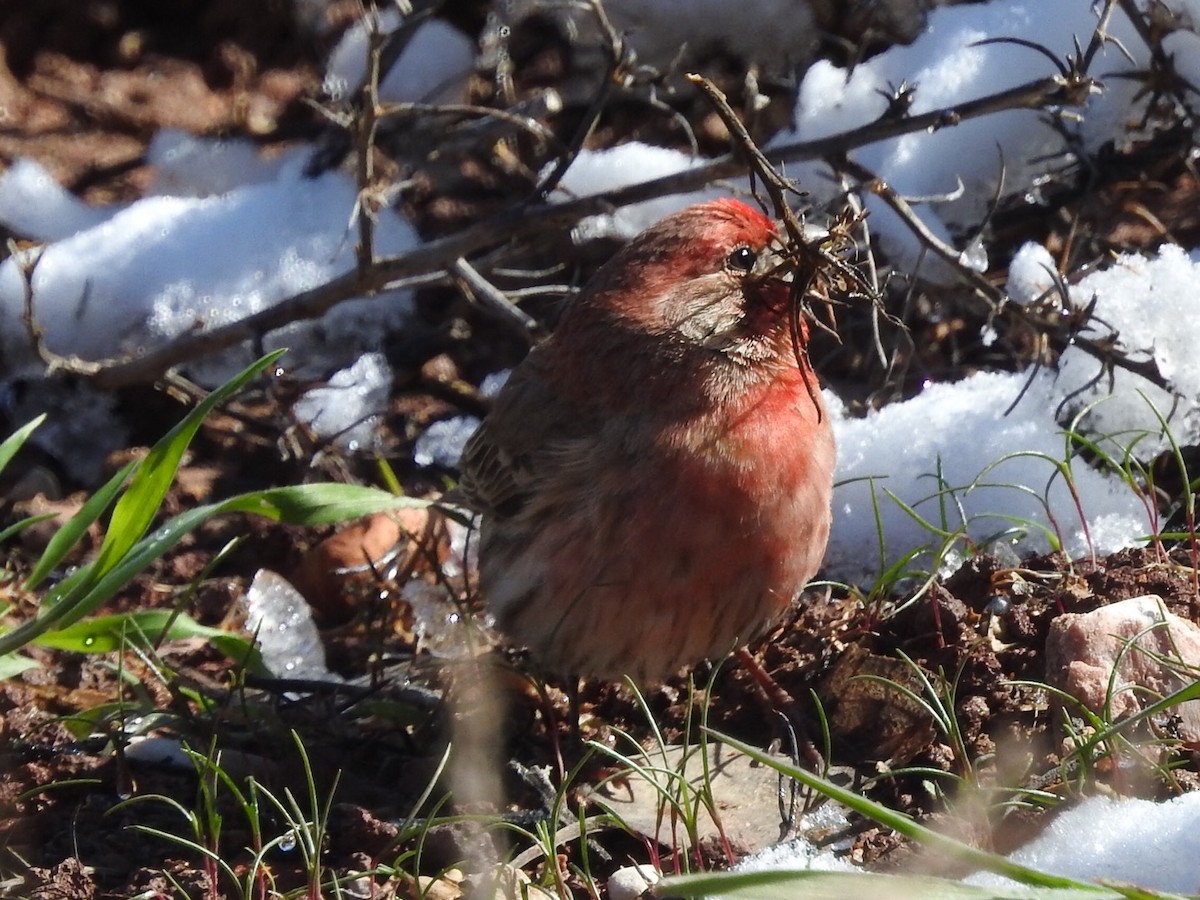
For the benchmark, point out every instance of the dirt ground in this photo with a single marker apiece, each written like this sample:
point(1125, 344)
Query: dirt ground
point(83, 87)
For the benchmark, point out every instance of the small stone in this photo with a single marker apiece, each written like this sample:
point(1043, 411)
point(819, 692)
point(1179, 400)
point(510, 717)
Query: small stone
point(631, 882)
point(331, 576)
point(1134, 637)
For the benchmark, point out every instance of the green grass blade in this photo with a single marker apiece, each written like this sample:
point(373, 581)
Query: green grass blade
point(11, 664)
point(140, 503)
point(816, 885)
point(16, 440)
point(906, 826)
point(75, 528)
point(18, 527)
point(320, 504)
point(309, 504)
point(104, 634)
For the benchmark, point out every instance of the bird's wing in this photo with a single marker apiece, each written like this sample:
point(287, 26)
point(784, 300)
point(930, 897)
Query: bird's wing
point(514, 450)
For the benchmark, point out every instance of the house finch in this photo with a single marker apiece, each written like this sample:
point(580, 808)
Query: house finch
point(654, 479)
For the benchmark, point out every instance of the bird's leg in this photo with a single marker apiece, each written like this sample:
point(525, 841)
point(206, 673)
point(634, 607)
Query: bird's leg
point(787, 706)
point(571, 749)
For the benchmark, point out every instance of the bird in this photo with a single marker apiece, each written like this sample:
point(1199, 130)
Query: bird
point(654, 480)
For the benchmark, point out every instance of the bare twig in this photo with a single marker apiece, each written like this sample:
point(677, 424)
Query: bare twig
point(620, 60)
point(395, 42)
point(365, 125)
point(817, 268)
point(1105, 352)
point(1100, 35)
point(870, 182)
point(488, 121)
point(776, 185)
point(479, 287)
point(27, 264)
point(431, 260)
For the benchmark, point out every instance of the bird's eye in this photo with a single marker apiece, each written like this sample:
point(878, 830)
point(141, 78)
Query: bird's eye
point(742, 258)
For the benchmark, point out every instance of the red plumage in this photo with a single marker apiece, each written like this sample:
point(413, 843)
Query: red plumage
point(654, 480)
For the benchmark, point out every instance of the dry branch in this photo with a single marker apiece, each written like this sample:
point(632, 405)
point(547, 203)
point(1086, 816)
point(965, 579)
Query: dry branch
point(431, 261)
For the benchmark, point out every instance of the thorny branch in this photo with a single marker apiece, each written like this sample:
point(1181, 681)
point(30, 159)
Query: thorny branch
point(430, 262)
point(1110, 357)
point(872, 184)
point(1106, 353)
point(446, 259)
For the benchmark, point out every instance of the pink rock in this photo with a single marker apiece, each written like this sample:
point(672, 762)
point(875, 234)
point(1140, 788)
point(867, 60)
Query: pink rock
point(1146, 644)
